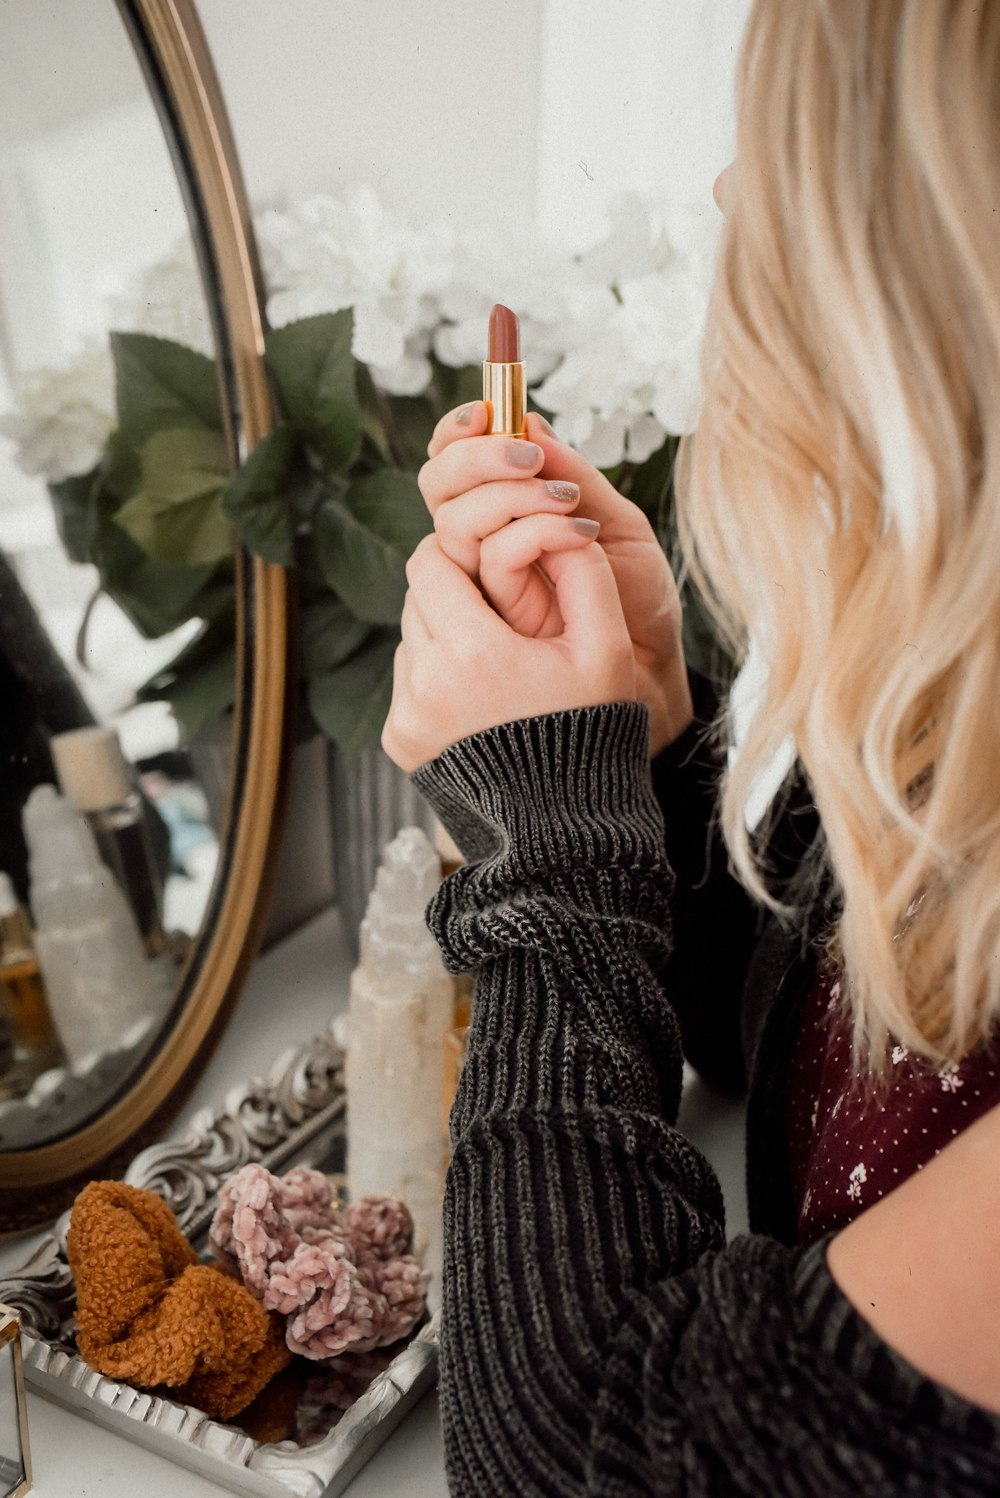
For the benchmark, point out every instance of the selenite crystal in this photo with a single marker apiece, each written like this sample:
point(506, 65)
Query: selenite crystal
point(402, 1008)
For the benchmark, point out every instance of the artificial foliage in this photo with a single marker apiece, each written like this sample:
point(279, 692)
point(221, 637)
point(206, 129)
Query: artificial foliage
point(331, 492)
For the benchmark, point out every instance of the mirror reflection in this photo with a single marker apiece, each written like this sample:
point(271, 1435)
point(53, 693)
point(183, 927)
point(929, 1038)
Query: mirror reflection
point(110, 799)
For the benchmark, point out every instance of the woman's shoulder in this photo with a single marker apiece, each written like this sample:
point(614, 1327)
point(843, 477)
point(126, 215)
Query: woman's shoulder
point(922, 1265)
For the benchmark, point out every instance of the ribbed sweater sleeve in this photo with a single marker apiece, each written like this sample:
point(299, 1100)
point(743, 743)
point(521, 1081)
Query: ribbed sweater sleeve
point(597, 1336)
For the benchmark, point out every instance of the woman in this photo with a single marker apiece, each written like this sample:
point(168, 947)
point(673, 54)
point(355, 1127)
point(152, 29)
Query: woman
point(841, 505)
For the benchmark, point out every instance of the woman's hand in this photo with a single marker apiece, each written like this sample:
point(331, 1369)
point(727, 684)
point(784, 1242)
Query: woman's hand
point(460, 668)
point(478, 486)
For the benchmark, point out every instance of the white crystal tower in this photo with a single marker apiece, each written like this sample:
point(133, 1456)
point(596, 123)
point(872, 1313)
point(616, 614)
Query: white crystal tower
point(98, 982)
point(402, 1009)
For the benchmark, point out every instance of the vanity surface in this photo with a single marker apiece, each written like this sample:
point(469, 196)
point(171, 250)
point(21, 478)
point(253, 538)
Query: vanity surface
point(294, 991)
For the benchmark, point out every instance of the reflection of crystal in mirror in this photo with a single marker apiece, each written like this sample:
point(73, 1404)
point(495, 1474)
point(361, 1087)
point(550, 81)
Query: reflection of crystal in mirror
point(96, 976)
point(96, 779)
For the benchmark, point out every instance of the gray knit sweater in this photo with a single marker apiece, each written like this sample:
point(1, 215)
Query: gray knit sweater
point(598, 1336)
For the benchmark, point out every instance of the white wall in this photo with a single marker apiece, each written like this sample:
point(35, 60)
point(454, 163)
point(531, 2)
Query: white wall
point(532, 124)
point(450, 113)
point(432, 102)
point(638, 95)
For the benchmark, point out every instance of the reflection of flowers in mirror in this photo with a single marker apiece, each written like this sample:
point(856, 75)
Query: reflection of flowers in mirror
point(64, 416)
point(378, 327)
point(612, 334)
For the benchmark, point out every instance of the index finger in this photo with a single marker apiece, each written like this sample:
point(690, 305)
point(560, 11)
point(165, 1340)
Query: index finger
point(465, 421)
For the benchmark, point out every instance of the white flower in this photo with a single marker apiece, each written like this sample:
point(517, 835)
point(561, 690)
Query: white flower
point(634, 376)
point(330, 253)
point(169, 302)
point(611, 337)
point(63, 416)
point(949, 1078)
point(899, 1053)
point(858, 1175)
point(556, 305)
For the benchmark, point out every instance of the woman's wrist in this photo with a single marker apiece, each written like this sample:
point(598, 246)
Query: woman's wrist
point(673, 713)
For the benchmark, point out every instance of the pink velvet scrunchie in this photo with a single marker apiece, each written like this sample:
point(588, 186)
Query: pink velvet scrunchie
point(345, 1282)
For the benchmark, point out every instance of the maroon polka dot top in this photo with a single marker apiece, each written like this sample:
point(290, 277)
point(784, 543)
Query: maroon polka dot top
point(847, 1148)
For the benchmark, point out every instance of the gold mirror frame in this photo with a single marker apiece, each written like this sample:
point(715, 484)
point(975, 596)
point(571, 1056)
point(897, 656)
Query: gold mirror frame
point(35, 1184)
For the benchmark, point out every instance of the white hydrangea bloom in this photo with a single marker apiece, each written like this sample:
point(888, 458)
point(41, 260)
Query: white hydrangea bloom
point(634, 378)
point(555, 302)
point(169, 302)
point(63, 416)
point(330, 253)
point(611, 336)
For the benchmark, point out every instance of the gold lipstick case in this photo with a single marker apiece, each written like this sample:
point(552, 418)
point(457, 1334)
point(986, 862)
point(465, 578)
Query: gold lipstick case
point(504, 391)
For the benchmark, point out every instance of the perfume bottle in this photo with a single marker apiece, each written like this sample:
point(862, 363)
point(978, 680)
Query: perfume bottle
point(98, 981)
point(36, 1044)
point(401, 1010)
point(97, 779)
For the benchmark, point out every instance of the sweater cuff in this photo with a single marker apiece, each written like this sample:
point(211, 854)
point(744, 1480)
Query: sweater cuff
point(556, 792)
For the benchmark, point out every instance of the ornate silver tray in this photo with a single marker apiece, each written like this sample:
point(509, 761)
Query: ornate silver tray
point(296, 1114)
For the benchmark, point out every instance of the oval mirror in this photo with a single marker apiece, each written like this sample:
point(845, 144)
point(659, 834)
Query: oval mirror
point(133, 859)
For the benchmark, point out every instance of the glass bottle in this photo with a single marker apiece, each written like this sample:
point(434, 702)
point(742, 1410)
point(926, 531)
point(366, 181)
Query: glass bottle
point(36, 1044)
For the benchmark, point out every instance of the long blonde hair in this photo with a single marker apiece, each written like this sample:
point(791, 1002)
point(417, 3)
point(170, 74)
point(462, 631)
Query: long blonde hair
point(840, 503)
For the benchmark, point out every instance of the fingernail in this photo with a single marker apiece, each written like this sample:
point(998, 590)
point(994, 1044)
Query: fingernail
point(522, 454)
point(464, 416)
point(546, 426)
point(586, 527)
point(563, 490)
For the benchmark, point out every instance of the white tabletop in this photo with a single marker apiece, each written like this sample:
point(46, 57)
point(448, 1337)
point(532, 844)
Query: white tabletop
point(293, 993)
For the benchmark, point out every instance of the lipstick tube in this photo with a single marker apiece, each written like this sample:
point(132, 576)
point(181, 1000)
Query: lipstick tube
point(504, 384)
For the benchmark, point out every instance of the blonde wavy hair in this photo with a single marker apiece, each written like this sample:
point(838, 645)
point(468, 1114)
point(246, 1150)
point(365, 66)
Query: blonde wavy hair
point(840, 503)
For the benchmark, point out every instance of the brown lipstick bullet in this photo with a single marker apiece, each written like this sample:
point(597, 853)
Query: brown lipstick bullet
point(503, 375)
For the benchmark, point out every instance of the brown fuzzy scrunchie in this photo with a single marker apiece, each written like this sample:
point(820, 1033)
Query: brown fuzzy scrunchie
point(149, 1312)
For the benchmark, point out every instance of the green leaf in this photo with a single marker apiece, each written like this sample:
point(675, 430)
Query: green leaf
point(651, 487)
point(157, 596)
point(120, 472)
point(255, 499)
point(160, 384)
point(413, 421)
point(328, 634)
point(72, 504)
point(199, 684)
point(351, 702)
point(177, 514)
point(364, 541)
point(703, 649)
point(367, 572)
point(314, 371)
point(455, 387)
point(373, 413)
